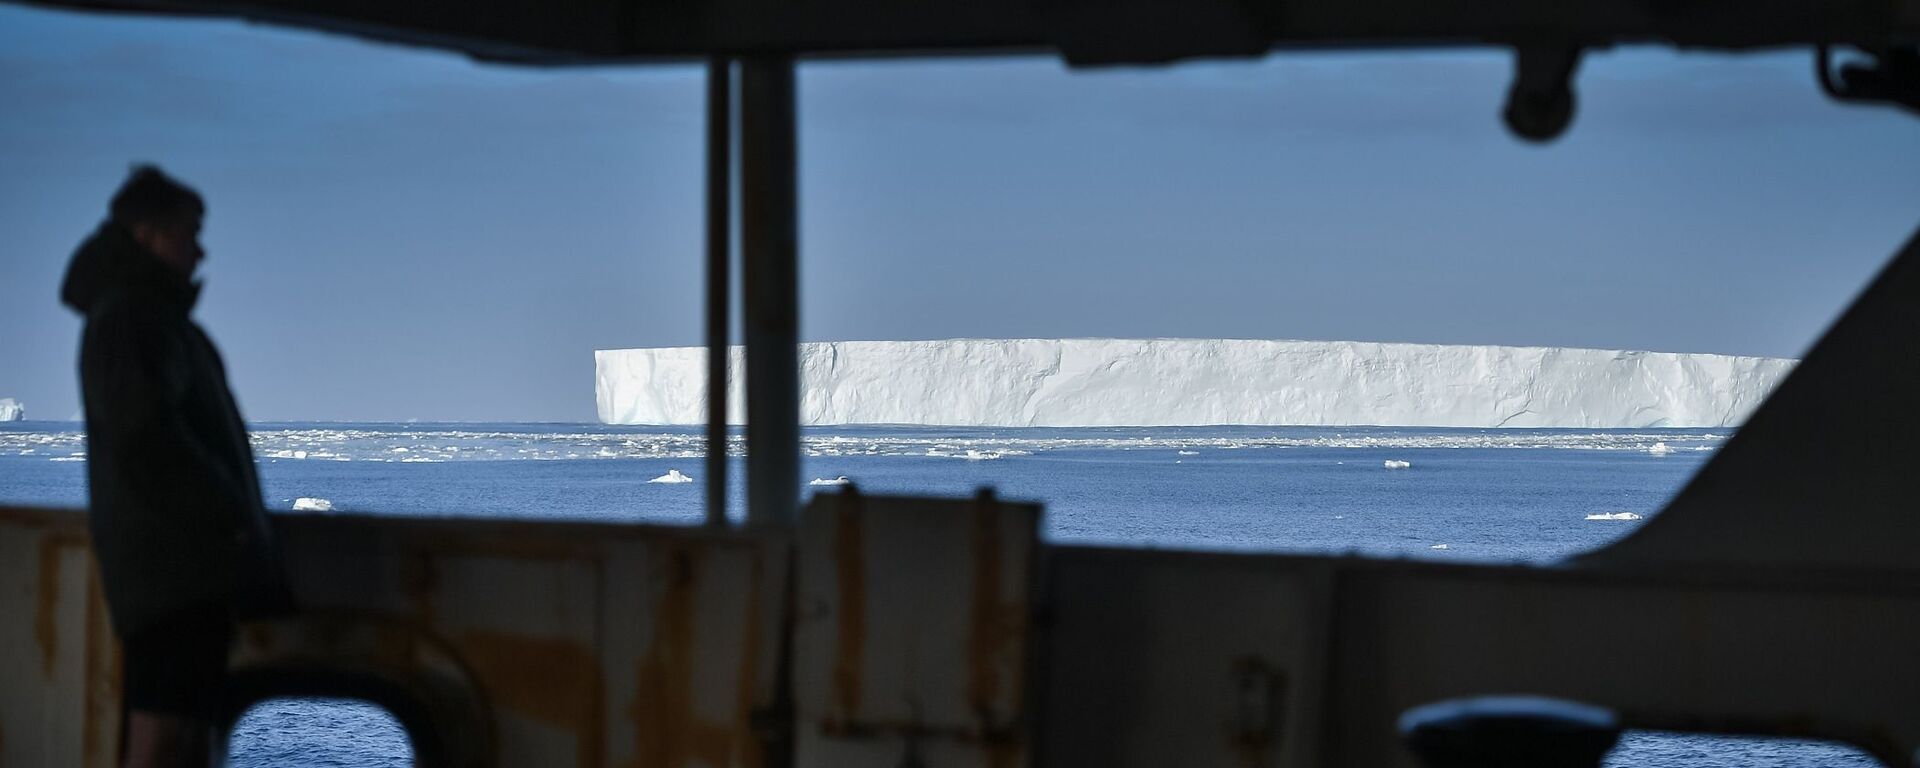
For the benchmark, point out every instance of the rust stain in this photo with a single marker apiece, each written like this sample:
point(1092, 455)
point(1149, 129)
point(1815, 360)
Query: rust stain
point(850, 570)
point(258, 636)
point(45, 627)
point(102, 681)
point(418, 578)
point(1003, 754)
point(984, 631)
point(549, 680)
point(748, 746)
point(667, 732)
point(1262, 688)
point(41, 517)
point(997, 627)
point(396, 643)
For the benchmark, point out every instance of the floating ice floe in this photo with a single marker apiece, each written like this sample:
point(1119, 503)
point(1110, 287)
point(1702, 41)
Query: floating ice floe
point(1439, 546)
point(1613, 516)
point(1189, 453)
point(972, 454)
point(311, 504)
point(379, 443)
point(841, 480)
point(1660, 449)
point(672, 476)
point(1396, 464)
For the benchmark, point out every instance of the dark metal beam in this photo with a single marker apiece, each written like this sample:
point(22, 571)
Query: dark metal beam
point(1093, 31)
point(719, 279)
point(769, 218)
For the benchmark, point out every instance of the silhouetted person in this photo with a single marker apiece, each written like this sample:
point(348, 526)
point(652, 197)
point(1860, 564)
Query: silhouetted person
point(176, 516)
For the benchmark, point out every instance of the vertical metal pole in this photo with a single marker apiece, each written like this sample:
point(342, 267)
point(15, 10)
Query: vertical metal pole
point(770, 227)
point(719, 279)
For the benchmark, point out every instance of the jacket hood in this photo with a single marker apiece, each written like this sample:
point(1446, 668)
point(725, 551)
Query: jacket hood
point(110, 261)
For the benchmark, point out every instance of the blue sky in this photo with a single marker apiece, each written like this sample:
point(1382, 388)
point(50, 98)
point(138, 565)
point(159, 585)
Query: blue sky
point(402, 234)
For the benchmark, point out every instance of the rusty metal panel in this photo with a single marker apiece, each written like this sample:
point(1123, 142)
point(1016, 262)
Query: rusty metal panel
point(59, 675)
point(912, 633)
point(1163, 658)
point(689, 638)
point(527, 629)
point(588, 645)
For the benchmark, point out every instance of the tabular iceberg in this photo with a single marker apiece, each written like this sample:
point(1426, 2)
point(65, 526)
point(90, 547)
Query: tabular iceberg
point(1189, 382)
point(12, 410)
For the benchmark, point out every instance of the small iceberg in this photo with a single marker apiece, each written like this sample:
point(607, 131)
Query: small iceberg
point(1439, 546)
point(1395, 464)
point(841, 480)
point(1613, 516)
point(311, 504)
point(973, 455)
point(672, 476)
point(1660, 449)
point(1189, 453)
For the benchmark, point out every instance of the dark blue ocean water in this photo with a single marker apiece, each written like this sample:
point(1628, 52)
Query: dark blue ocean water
point(1465, 494)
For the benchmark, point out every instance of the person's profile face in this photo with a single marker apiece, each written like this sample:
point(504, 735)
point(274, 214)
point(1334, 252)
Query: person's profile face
point(174, 240)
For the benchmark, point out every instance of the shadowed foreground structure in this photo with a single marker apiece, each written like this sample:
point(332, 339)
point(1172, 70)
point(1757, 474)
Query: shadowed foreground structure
point(1778, 594)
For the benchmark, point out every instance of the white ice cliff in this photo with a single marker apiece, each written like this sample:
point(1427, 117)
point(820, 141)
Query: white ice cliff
point(12, 410)
point(1170, 382)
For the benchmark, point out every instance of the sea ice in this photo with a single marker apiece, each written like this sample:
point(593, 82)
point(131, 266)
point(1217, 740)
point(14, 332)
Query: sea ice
point(1396, 464)
point(1200, 382)
point(672, 476)
point(311, 504)
point(1613, 516)
point(1660, 449)
point(841, 480)
point(1439, 546)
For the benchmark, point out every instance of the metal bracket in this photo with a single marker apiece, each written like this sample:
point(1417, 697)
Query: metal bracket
point(1893, 77)
point(1540, 104)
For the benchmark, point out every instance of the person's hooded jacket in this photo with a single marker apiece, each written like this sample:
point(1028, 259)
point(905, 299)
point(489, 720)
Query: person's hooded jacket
point(176, 515)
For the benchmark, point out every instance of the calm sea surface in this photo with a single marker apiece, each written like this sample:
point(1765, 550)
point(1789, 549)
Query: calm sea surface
point(1467, 494)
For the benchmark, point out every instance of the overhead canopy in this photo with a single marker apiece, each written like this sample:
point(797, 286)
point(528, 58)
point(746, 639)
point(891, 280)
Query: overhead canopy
point(1084, 31)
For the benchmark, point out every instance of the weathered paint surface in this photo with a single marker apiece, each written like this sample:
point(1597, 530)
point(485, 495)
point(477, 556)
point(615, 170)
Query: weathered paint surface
point(633, 646)
point(850, 581)
point(669, 731)
point(553, 681)
point(59, 677)
point(911, 643)
point(54, 547)
point(496, 631)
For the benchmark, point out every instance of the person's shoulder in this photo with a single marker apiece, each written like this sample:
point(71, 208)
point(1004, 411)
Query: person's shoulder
point(131, 314)
point(131, 305)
